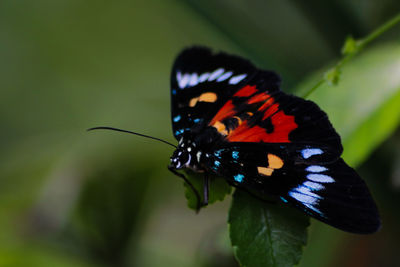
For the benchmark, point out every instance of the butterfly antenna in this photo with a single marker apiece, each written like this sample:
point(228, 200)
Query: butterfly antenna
point(125, 131)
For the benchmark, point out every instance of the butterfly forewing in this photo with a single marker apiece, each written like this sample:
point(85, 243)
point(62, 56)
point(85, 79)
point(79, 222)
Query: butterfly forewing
point(201, 83)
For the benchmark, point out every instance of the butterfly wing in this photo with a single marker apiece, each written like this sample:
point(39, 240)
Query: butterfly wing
point(266, 141)
point(285, 146)
point(202, 82)
point(335, 194)
point(307, 177)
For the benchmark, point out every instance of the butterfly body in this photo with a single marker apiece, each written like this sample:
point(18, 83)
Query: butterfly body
point(232, 120)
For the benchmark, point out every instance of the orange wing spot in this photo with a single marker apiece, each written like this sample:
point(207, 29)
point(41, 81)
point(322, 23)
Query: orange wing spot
point(221, 128)
point(228, 110)
point(250, 113)
point(238, 119)
point(205, 97)
point(265, 171)
point(246, 91)
point(193, 101)
point(208, 97)
point(274, 161)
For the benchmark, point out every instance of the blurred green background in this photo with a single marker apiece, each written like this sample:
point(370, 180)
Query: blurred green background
point(72, 198)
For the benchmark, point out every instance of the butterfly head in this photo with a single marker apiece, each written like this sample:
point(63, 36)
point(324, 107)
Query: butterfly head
point(186, 156)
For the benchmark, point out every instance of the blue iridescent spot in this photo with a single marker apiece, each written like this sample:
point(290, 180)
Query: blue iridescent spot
point(196, 120)
point(177, 118)
point(173, 92)
point(218, 152)
point(238, 177)
point(216, 165)
point(178, 132)
point(235, 154)
point(284, 200)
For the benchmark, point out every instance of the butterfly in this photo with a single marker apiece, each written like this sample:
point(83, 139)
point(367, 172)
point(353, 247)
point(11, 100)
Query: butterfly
point(232, 120)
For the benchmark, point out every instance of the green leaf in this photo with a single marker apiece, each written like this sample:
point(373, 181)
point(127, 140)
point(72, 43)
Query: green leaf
point(266, 234)
point(364, 106)
point(219, 188)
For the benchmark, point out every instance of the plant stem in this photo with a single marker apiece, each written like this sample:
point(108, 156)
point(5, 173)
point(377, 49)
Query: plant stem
point(375, 34)
point(359, 45)
point(318, 84)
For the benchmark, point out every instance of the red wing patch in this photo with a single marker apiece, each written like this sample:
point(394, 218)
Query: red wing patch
point(227, 110)
point(259, 98)
point(246, 91)
point(282, 125)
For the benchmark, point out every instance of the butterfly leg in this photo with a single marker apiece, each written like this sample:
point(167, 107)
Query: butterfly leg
point(206, 186)
point(196, 193)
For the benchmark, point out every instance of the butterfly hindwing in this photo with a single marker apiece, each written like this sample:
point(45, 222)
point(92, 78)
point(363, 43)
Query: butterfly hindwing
point(335, 194)
point(326, 189)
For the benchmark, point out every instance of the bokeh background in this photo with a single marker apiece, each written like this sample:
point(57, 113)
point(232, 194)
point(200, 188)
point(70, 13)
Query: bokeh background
point(73, 198)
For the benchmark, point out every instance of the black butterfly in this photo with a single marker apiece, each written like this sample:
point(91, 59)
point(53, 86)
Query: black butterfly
point(232, 120)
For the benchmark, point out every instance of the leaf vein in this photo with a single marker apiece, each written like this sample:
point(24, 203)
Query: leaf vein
point(266, 219)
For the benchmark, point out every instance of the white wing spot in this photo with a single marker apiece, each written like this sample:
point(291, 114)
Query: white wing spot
point(237, 79)
point(216, 74)
point(184, 81)
point(178, 76)
point(198, 155)
point(313, 186)
point(204, 77)
point(305, 190)
point(193, 80)
point(309, 152)
point(321, 178)
point(316, 168)
point(225, 76)
point(305, 199)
